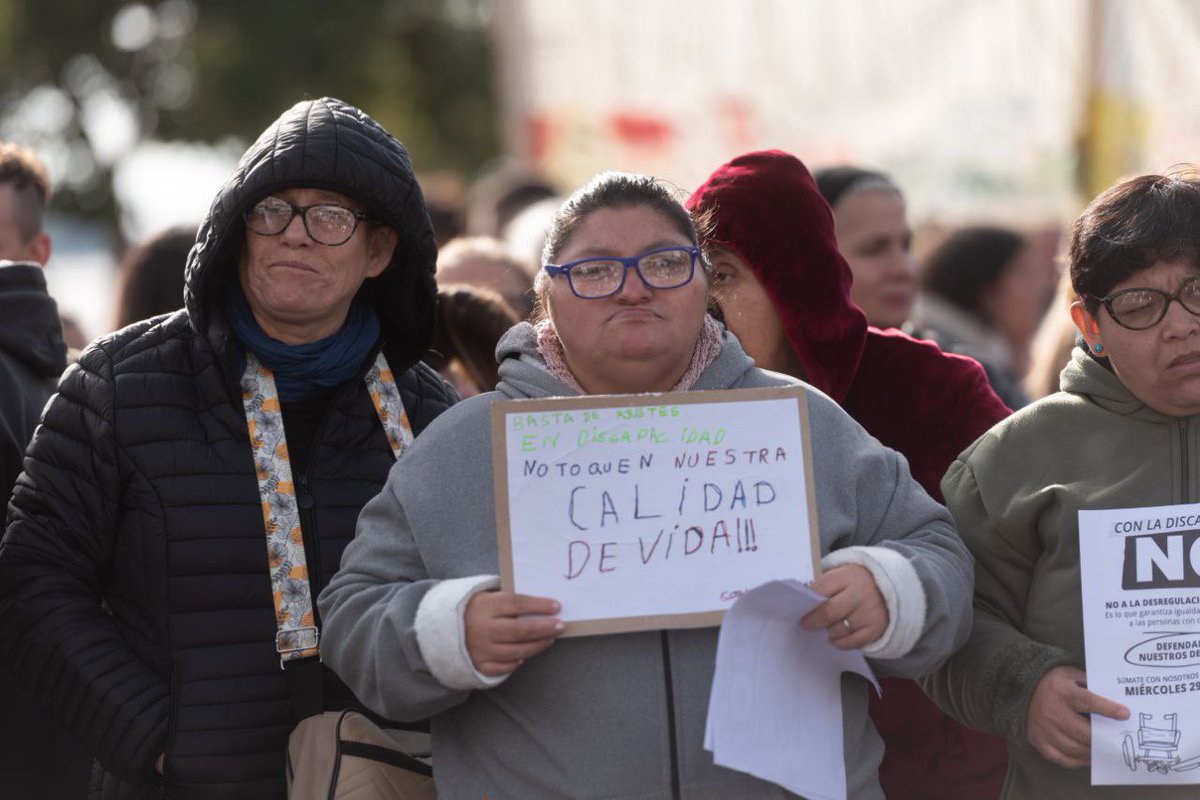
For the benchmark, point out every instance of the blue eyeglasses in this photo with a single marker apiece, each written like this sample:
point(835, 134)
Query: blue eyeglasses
point(593, 278)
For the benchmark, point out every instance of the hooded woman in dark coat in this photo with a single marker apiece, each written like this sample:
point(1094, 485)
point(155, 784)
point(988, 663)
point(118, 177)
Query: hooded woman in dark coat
point(135, 594)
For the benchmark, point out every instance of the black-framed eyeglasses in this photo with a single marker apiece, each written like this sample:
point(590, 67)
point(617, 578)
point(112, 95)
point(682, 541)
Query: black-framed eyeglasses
point(1139, 309)
point(327, 223)
point(593, 278)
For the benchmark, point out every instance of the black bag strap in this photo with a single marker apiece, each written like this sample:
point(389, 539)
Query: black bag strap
point(305, 687)
point(385, 755)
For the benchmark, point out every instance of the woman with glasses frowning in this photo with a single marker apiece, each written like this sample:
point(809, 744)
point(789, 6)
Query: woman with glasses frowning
point(414, 621)
point(1123, 432)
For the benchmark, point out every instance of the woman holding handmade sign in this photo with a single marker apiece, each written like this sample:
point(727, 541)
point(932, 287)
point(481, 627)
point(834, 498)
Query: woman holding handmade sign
point(413, 621)
point(1052, 502)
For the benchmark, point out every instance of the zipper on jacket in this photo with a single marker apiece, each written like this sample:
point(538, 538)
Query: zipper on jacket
point(172, 733)
point(666, 651)
point(1183, 457)
point(305, 501)
point(307, 508)
point(306, 505)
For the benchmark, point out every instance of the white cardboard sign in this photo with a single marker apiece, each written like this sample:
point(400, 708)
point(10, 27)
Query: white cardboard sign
point(641, 512)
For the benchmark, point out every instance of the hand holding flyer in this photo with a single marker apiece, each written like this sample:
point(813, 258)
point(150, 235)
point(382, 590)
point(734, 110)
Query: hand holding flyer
point(1057, 725)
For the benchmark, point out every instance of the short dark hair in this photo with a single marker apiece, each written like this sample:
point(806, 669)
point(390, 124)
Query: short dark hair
point(837, 183)
point(968, 263)
point(1131, 226)
point(25, 172)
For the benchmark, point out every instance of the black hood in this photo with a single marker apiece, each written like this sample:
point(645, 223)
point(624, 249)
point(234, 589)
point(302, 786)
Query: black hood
point(33, 334)
point(328, 144)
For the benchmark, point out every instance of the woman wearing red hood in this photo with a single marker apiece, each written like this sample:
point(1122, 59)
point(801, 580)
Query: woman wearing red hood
point(785, 293)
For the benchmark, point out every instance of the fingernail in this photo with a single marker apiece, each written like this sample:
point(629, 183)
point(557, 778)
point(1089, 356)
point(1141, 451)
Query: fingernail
point(560, 625)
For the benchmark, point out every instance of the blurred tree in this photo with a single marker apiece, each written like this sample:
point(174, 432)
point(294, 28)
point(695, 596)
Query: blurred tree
point(85, 82)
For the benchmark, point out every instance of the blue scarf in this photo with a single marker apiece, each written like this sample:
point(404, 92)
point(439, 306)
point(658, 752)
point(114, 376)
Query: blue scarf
point(305, 371)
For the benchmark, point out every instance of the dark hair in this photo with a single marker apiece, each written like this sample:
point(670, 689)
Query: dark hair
point(21, 168)
point(968, 263)
point(616, 190)
point(1131, 226)
point(836, 183)
point(152, 276)
point(470, 321)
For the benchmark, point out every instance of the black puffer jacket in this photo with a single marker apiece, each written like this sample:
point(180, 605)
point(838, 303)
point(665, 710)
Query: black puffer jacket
point(140, 493)
point(32, 356)
point(37, 757)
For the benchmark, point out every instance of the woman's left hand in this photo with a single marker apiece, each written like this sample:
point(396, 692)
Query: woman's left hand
point(855, 612)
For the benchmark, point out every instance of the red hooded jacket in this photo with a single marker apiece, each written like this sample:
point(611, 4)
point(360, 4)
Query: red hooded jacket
point(926, 404)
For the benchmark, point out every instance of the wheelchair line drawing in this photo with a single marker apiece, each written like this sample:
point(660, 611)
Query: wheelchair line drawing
point(1157, 748)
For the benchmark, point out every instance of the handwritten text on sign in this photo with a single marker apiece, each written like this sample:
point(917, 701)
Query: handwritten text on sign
point(653, 506)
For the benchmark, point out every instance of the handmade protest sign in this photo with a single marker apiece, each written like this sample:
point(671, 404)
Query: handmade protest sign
point(1140, 571)
point(640, 512)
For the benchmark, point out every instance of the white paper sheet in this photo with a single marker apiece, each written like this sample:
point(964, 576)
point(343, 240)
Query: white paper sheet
point(776, 706)
point(1140, 571)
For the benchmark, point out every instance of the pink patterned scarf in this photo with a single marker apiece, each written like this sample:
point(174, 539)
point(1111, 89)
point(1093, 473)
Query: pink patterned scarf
point(708, 347)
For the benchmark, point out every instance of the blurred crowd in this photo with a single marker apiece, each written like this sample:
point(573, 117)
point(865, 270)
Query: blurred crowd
point(990, 291)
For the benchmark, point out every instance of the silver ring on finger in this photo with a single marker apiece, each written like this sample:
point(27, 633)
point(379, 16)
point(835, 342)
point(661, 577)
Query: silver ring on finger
point(846, 624)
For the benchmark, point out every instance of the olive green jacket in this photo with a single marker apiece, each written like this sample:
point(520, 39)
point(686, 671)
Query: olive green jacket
point(1015, 496)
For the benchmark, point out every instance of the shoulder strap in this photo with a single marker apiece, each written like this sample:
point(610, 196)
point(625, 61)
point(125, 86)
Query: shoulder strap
point(381, 384)
point(297, 636)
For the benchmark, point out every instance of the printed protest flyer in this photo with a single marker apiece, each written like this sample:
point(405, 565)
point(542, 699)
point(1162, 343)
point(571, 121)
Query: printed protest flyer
point(1141, 612)
point(640, 512)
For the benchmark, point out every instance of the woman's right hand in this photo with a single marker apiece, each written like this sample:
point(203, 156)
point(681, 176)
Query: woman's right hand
point(1056, 724)
point(504, 628)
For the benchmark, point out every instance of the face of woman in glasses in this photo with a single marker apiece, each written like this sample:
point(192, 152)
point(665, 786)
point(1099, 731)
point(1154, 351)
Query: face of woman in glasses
point(639, 339)
point(1159, 365)
point(300, 290)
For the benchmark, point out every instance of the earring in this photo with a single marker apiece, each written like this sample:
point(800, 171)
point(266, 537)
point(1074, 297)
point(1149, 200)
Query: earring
point(1099, 349)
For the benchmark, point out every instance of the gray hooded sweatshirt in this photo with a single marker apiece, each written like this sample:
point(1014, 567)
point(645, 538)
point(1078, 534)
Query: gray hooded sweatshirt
point(616, 716)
